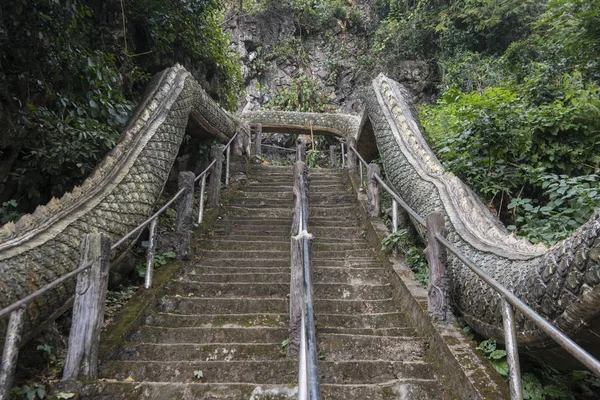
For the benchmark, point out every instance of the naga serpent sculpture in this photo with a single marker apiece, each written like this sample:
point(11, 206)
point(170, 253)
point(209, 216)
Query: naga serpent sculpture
point(560, 283)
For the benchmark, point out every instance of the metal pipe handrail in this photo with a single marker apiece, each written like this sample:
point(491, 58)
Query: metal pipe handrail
point(555, 334)
point(25, 300)
point(309, 344)
point(560, 338)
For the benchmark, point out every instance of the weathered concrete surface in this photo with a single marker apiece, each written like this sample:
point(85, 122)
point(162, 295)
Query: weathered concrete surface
point(465, 373)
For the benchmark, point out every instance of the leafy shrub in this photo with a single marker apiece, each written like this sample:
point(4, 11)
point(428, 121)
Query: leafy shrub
point(304, 94)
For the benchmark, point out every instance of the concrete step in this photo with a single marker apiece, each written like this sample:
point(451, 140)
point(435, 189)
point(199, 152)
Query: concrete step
point(239, 277)
point(227, 351)
point(240, 263)
point(202, 305)
point(355, 276)
point(239, 245)
point(348, 347)
point(113, 390)
point(372, 372)
point(283, 255)
point(215, 321)
point(230, 289)
point(261, 202)
point(202, 335)
point(328, 306)
point(256, 372)
point(413, 389)
point(362, 321)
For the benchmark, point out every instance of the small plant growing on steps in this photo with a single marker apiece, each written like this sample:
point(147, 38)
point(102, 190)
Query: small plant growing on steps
point(198, 374)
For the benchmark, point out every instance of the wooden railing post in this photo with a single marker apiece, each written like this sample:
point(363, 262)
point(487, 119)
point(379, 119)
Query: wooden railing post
point(185, 210)
point(350, 156)
point(333, 156)
point(300, 150)
point(88, 309)
point(237, 146)
point(297, 275)
point(214, 182)
point(438, 298)
point(258, 140)
point(373, 205)
point(11, 351)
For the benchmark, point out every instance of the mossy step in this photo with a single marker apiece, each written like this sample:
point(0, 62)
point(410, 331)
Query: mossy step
point(231, 275)
point(266, 214)
point(199, 352)
point(202, 335)
point(256, 372)
point(320, 246)
point(260, 202)
point(203, 305)
point(355, 276)
point(255, 236)
point(347, 291)
point(230, 289)
point(372, 372)
point(224, 243)
point(282, 264)
point(265, 188)
point(328, 306)
point(384, 332)
point(363, 321)
point(341, 254)
point(273, 195)
point(215, 321)
point(413, 389)
point(111, 390)
point(282, 255)
point(343, 262)
point(354, 347)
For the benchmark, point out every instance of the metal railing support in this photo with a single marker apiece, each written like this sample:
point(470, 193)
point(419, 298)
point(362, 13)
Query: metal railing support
point(150, 253)
point(343, 155)
point(300, 150)
point(88, 309)
point(201, 199)
point(512, 353)
point(373, 204)
point(227, 157)
point(214, 181)
point(185, 210)
point(362, 186)
point(10, 353)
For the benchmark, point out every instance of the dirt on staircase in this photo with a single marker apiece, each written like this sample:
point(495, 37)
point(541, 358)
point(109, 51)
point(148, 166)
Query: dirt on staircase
point(217, 328)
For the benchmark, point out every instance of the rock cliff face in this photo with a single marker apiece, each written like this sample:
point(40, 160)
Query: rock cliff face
point(275, 49)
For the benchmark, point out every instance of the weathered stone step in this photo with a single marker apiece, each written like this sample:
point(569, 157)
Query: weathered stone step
point(283, 255)
point(228, 219)
point(409, 389)
point(356, 276)
point(362, 321)
point(321, 246)
point(208, 320)
point(266, 188)
point(202, 305)
point(328, 306)
point(260, 202)
point(347, 263)
point(231, 289)
point(343, 254)
point(111, 390)
point(225, 244)
point(369, 372)
point(241, 263)
point(346, 291)
point(382, 332)
point(264, 213)
point(272, 195)
point(199, 352)
point(238, 277)
point(201, 335)
point(348, 347)
point(256, 372)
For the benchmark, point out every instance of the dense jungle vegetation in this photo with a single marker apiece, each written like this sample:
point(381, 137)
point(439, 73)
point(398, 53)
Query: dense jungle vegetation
point(71, 72)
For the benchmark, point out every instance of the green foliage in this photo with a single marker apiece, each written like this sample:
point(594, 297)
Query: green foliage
point(397, 239)
point(159, 260)
point(116, 299)
point(29, 392)
point(198, 374)
point(304, 94)
point(9, 212)
point(405, 243)
point(193, 27)
point(496, 356)
point(570, 202)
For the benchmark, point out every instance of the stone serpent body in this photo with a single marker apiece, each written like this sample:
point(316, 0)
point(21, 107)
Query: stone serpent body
point(560, 283)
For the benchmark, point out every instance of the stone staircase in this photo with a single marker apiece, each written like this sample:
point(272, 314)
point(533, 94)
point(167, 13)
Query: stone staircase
point(368, 349)
point(216, 329)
